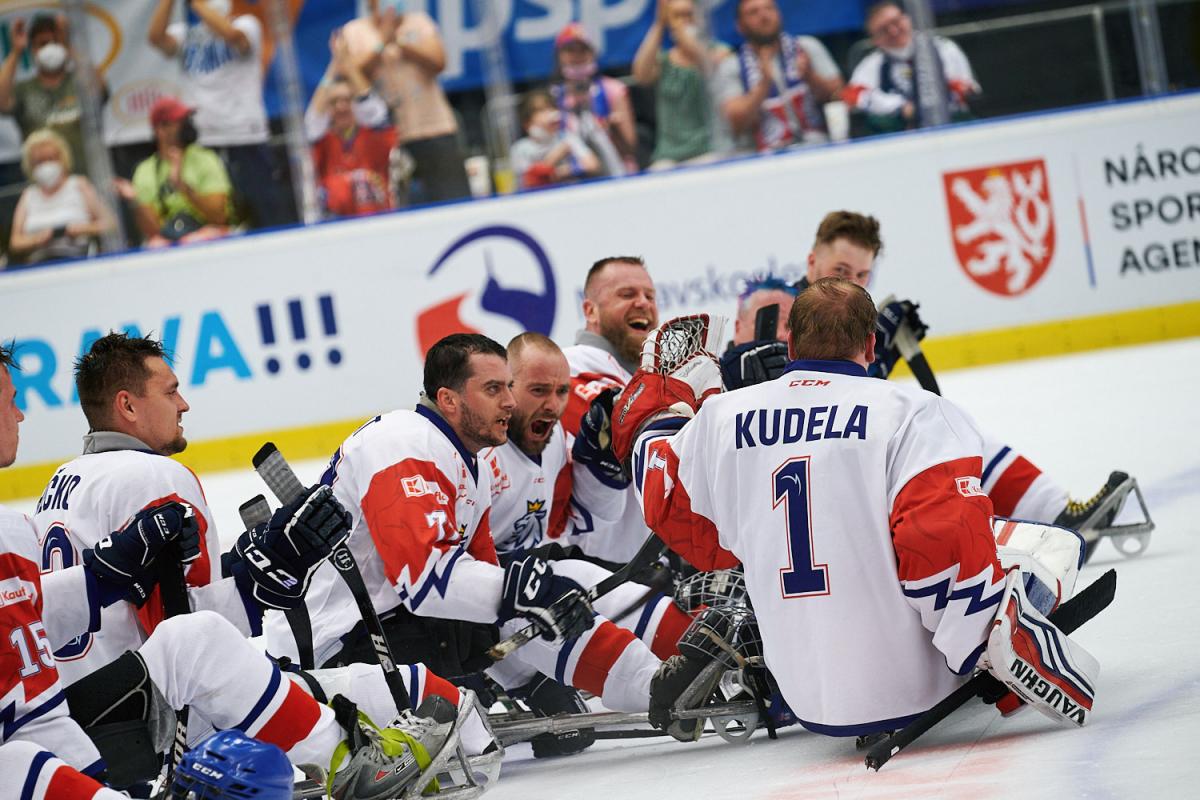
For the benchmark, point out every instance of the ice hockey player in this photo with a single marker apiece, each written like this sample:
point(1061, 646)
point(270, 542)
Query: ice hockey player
point(855, 508)
point(198, 659)
point(421, 504)
point(619, 309)
point(846, 246)
point(535, 485)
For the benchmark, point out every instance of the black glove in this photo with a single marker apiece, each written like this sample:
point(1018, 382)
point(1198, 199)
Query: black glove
point(593, 443)
point(753, 362)
point(556, 605)
point(891, 317)
point(121, 562)
point(276, 560)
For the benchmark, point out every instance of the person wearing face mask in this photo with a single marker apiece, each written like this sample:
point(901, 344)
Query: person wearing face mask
point(59, 214)
point(50, 97)
point(683, 111)
point(548, 155)
point(401, 53)
point(583, 95)
point(773, 92)
point(221, 52)
point(883, 86)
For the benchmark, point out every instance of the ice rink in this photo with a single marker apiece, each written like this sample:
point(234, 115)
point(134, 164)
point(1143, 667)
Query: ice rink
point(1076, 417)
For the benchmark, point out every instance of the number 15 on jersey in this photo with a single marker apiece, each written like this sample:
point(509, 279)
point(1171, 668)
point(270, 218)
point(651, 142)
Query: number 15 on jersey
point(802, 577)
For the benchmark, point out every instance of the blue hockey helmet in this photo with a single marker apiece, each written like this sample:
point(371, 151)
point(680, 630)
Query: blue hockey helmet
point(230, 764)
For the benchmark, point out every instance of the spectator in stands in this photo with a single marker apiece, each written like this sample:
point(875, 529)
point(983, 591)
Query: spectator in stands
point(774, 91)
point(882, 86)
point(352, 137)
point(223, 82)
point(548, 154)
point(583, 94)
point(181, 194)
point(50, 98)
point(402, 54)
point(59, 214)
point(683, 112)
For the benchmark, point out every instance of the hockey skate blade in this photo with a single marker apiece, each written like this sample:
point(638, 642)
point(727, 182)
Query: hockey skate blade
point(1132, 538)
point(438, 762)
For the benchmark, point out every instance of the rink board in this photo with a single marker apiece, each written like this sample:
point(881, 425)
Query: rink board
point(1020, 238)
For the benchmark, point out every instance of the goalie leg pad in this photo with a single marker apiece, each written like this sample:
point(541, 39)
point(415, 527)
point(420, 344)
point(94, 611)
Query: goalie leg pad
point(1039, 662)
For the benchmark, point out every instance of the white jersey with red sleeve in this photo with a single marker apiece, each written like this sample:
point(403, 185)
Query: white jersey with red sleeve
point(855, 507)
point(33, 707)
point(618, 531)
point(420, 507)
point(98, 493)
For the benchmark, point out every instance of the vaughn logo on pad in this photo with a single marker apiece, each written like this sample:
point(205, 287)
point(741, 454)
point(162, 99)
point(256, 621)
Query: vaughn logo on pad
point(1002, 224)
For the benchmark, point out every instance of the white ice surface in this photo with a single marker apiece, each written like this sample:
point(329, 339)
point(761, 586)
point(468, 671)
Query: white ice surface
point(1077, 417)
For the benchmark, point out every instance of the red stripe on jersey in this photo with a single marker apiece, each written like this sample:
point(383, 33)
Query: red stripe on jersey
point(560, 505)
point(689, 534)
point(68, 784)
point(852, 93)
point(672, 625)
point(607, 644)
point(17, 619)
point(1011, 486)
point(436, 684)
point(1025, 646)
point(409, 509)
point(935, 526)
point(292, 721)
point(1006, 532)
point(482, 546)
point(584, 388)
point(199, 573)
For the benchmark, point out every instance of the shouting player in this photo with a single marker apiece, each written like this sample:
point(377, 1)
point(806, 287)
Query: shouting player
point(846, 246)
point(855, 507)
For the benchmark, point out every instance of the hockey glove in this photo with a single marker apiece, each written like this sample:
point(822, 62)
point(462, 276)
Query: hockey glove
point(556, 605)
point(753, 363)
point(593, 443)
point(891, 317)
point(277, 560)
point(121, 562)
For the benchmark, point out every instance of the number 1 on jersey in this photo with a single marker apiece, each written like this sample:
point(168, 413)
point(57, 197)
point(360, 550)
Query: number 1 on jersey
point(801, 577)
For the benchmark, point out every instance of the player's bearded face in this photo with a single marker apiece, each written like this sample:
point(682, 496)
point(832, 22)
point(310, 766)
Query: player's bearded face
point(486, 403)
point(160, 409)
point(541, 386)
point(623, 310)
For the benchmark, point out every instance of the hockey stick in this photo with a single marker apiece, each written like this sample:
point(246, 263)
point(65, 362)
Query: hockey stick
point(172, 584)
point(650, 550)
point(1067, 618)
point(910, 351)
point(277, 474)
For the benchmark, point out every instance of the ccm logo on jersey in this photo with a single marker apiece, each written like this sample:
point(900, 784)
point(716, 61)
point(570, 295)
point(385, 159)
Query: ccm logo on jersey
point(417, 486)
point(968, 486)
point(15, 590)
point(809, 382)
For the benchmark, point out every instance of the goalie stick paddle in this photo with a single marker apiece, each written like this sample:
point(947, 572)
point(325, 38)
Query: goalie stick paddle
point(1068, 618)
point(650, 550)
point(277, 474)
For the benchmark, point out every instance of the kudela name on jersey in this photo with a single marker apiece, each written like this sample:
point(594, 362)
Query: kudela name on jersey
point(790, 425)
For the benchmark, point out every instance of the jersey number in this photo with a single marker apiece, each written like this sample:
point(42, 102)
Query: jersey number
point(31, 643)
point(59, 553)
point(801, 577)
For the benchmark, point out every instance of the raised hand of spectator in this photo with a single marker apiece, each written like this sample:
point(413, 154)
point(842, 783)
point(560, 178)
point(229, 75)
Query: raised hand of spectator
point(124, 189)
point(20, 35)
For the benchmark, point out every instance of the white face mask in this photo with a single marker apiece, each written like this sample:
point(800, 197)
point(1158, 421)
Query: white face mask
point(540, 134)
point(51, 57)
point(47, 174)
point(222, 7)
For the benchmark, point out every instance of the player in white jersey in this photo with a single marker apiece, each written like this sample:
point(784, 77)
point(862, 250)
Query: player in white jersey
point(421, 503)
point(535, 485)
point(855, 508)
point(619, 309)
point(197, 659)
point(846, 246)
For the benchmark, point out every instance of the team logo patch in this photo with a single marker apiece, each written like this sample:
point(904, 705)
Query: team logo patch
point(969, 486)
point(1002, 224)
point(14, 590)
point(418, 486)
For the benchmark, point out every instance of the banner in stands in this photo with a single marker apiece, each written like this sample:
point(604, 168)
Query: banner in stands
point(988, 226)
